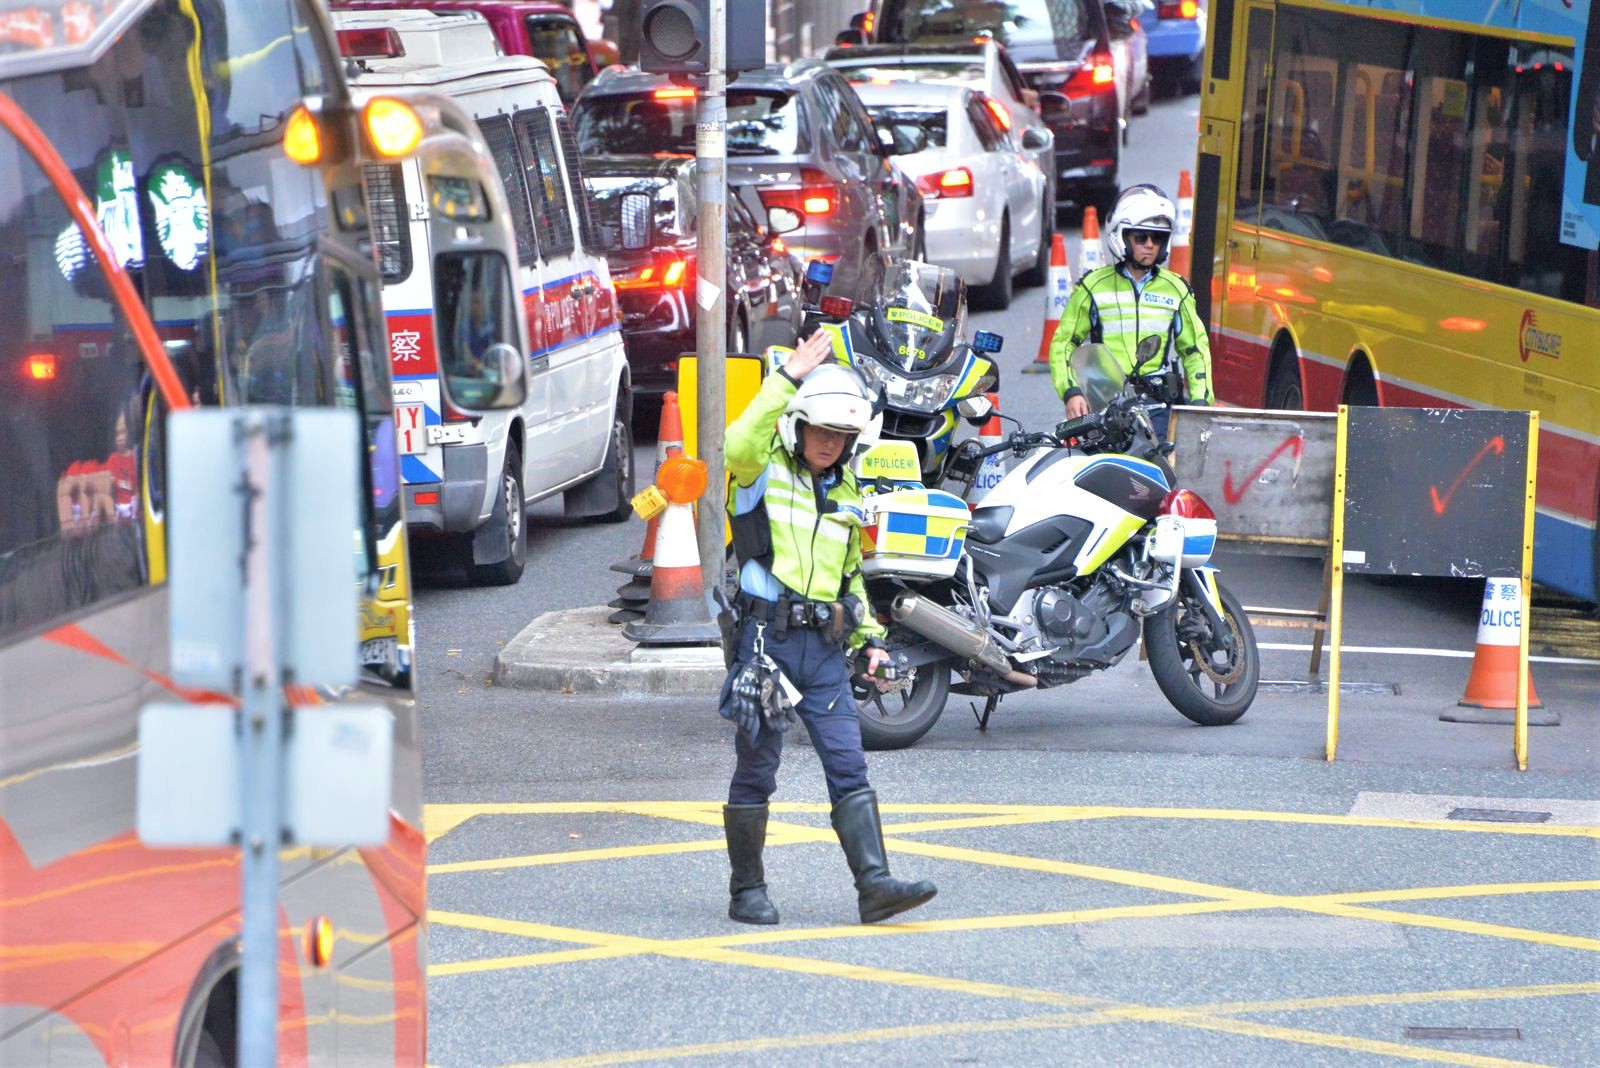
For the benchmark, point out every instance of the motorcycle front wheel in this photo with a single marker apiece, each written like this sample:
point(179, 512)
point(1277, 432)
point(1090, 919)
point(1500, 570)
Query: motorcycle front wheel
point(897, 719)
point(1204, 679)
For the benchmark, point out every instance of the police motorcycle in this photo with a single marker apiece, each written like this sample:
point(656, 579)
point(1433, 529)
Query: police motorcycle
point(1085, 542)
point(909, 343)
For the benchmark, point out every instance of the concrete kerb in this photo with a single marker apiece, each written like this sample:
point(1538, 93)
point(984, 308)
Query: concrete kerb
point(578, 651)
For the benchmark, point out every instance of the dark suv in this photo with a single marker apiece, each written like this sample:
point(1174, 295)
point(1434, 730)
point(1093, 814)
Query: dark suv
point(645, 209)
point(798, 137)
point(1064, 50)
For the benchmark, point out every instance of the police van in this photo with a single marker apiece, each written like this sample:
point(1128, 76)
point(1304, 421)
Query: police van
point(473, 477)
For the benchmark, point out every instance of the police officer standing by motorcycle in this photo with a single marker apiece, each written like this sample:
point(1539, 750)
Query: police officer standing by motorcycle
point(1132, 298)
point(796, 516)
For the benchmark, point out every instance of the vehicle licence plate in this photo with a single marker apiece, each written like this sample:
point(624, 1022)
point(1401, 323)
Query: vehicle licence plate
point(380, 651)
point(410, 426)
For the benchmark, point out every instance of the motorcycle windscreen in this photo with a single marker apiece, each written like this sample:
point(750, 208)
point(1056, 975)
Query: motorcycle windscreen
point(919, 317)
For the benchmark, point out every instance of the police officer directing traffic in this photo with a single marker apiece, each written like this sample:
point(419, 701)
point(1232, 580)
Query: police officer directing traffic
point(796, 516)
point(1130, 299)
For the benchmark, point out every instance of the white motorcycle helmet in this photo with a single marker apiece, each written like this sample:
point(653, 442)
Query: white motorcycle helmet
point(831, 396)
point(1140, 207)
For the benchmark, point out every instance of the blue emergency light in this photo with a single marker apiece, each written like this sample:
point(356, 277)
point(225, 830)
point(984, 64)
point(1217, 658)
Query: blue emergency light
point(987, 341)
point(819, 272)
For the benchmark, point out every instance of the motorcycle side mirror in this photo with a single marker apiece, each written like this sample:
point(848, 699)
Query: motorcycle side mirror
point(976, 407)
point(1147, 349)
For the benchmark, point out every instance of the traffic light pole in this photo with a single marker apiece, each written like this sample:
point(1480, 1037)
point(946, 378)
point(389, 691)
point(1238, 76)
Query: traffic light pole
point(711, 157)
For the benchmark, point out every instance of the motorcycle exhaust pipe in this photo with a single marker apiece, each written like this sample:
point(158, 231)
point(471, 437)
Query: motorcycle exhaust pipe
point(945, 628)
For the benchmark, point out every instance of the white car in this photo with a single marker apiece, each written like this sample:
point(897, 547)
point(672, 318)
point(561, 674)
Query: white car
point(984, 213)
point(983, 65)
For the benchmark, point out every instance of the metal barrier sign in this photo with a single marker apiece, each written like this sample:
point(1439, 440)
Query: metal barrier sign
point(1267, 475)
point(1434, 491)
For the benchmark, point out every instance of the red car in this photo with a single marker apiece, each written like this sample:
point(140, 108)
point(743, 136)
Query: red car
point(545, 31)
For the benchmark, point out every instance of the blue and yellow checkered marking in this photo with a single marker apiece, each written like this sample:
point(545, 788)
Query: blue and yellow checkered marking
point(929, 523)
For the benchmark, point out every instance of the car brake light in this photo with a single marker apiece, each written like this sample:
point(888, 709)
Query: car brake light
point(997, 109)
point(1188, 9)
point(41, 366)
point(1096, 75)
point(816, 194)
point(666, 271)
point(674, 94)
point(956, 182)
point(370, 43)
point(1186, 504)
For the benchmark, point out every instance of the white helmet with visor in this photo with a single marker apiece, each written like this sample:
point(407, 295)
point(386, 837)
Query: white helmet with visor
point(831, 396)
point(1140, 207)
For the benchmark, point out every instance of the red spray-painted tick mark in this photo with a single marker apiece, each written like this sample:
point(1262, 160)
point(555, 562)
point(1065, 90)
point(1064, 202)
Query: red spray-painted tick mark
point(1498, 444)
point(1292, 444)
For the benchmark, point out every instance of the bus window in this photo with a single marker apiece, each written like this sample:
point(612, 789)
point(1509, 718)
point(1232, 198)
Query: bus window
point(1538, 262)
point(1253, 124)
point(1439, 156)
point(71, 423)
point(1299, 164)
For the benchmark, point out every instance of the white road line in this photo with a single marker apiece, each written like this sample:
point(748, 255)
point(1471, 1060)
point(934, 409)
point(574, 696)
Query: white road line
point(1454, 654)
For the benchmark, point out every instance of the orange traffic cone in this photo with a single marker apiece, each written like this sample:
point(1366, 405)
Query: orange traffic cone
point(994, 467)
point(634, 595)
point(678, 613)
point(1089, 250)
point(1491, 694)
point(1057, 291)
point(1178, 257)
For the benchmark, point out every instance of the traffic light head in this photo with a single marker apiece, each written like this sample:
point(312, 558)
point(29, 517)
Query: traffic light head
point(675, 35)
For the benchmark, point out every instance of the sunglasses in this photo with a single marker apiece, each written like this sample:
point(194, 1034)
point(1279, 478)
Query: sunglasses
point(1142, 237)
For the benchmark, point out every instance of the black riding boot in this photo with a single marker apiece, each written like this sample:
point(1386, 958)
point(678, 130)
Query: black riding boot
point(746, 830)
point(860, 831)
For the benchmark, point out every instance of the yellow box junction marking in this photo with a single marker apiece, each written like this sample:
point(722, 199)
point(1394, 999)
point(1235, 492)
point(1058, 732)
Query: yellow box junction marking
point(1212, 898)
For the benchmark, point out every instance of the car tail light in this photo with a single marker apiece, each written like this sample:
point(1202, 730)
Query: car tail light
point(1095, 76)
point(674, 94)
point(369, 43)
point(1186, 504)
point(448, 414)
point(666, 271)
point(817, 194)
point(41, 366)
point(1188, 9)
point(956, 182)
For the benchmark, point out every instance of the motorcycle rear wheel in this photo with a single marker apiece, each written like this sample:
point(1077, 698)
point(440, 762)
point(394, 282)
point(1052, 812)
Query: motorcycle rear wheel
point(1197, 675)
point(897, 720)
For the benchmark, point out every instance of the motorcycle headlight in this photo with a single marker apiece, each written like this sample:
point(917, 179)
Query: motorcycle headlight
point(921, 394)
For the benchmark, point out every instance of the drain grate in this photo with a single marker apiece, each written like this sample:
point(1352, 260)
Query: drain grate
point(1498, 815)
point(1383, 689)
point(1460, 1034)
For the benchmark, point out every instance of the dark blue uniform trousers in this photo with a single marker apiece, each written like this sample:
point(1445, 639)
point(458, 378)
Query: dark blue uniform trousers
point(818, 669)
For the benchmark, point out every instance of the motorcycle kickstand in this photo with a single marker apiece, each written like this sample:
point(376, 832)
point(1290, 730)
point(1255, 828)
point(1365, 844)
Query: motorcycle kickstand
point(989, 705)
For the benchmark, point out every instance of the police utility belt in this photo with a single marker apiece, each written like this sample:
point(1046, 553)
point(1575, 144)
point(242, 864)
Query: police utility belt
point(831, 617)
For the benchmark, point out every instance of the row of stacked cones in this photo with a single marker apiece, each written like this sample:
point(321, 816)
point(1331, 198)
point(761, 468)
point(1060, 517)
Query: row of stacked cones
point(633, 596)
point(662, 603)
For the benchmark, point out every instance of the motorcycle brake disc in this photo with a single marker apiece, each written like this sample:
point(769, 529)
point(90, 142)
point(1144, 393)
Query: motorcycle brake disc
point(1235, 662)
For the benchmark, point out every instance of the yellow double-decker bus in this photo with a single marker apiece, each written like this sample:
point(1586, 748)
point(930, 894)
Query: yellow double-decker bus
point(1384, 216)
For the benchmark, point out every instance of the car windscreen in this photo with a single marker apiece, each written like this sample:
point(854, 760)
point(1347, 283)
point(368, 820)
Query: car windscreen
point(759, 124)
point(1013, 24)
point(889, 73)
point(933, 122)
point(672, 207)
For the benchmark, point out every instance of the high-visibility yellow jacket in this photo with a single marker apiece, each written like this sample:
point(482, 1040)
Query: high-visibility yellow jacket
point(1106, 306)
point(815, 524)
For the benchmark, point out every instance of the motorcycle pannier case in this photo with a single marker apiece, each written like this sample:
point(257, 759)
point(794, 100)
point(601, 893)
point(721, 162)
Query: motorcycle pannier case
point(913, 533)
